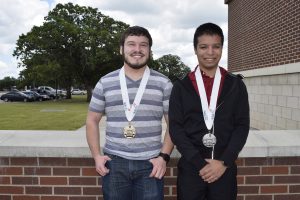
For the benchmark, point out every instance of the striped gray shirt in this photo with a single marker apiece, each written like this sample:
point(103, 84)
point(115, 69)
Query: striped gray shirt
point(107, 99)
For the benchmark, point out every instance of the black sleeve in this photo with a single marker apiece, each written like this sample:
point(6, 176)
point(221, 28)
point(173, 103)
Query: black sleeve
point(177, 130)
point(241, 127)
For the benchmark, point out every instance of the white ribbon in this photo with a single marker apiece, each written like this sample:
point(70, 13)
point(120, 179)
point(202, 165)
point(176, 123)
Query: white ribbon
point(208, 111)
point(130, 110)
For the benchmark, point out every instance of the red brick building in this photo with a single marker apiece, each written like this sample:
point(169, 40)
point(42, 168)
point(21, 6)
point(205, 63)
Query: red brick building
point(264, 46)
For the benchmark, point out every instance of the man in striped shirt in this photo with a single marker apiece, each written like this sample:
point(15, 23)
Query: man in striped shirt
point(134, 99)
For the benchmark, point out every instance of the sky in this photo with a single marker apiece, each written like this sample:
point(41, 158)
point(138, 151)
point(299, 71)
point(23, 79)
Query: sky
point(171, 23)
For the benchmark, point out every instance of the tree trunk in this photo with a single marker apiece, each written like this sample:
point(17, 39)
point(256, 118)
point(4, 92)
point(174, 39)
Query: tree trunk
point(89, 90)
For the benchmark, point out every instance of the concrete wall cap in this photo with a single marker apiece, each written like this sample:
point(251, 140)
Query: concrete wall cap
point(266, 143)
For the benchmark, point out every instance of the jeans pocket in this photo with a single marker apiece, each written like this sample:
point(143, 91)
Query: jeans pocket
point(111, 156)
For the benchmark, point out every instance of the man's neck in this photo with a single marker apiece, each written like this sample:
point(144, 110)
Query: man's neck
point(209, 71)
point(134, 74)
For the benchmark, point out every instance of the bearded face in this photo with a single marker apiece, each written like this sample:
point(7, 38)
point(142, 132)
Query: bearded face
point(136, 51)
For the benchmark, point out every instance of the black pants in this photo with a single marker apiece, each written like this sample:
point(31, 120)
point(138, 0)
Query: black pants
point(190, 186)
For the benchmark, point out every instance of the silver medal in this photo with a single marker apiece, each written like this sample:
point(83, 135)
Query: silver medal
point(209, 140)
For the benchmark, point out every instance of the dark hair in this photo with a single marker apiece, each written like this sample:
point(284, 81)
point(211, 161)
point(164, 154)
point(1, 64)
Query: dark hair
point(208, 29)
point(135, 31)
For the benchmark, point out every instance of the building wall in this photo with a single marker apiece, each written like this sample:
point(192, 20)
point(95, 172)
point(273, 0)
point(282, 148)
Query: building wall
point(274, 101)
point(56, 178)
point(263, 38)
point(263, 33)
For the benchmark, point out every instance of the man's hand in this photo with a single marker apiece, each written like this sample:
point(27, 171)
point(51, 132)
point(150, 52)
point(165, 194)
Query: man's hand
point(159, 167)
point(212, 171)
point(100, 164)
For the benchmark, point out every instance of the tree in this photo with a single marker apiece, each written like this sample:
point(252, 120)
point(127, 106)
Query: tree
point(75, 44)
point(7, 83)
point(172, 66)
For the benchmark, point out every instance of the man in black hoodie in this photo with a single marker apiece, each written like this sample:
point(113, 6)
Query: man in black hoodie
point(209, 122)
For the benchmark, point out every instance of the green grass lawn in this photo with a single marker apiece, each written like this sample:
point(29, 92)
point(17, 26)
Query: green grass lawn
point(67, 114)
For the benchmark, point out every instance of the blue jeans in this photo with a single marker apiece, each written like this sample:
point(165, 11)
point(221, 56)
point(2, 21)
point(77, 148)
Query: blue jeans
point(129, 180)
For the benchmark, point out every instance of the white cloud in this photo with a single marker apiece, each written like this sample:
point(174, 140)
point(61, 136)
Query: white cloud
point(17, 17)
point(7, 68)
point(171, 23)
point(3, 65)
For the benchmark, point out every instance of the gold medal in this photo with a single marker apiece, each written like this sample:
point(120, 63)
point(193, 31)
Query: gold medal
point(129, 131)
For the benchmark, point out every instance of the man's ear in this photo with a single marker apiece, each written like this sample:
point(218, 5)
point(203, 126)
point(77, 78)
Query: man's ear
point(121, 50)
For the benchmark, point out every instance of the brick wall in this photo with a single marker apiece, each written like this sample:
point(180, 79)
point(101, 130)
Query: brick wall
point(59, 178)
point(263, 33)
point(269, 178)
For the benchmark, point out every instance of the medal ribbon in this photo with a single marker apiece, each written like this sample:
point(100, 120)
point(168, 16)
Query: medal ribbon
point(208, 111)
point(130, 110)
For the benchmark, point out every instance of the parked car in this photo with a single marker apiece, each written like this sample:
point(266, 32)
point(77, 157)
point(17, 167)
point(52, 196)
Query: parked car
point(36, 96)
point(45, 97)
point(78, 92)
point(16, 96)
point(51, 92)
point(44, 93)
